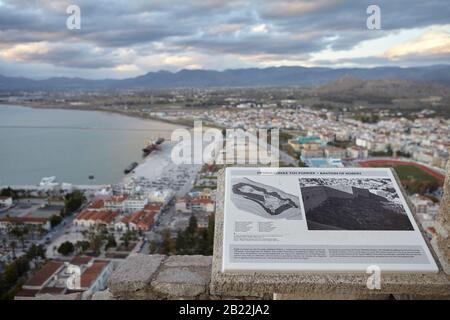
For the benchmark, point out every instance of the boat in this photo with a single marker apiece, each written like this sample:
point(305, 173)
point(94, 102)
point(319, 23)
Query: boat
point(48, 181)
point(151, 146)
point(91, 177)
point(130, 168)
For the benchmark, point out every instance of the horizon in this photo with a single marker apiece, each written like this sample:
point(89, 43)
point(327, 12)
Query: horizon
point(230, 69)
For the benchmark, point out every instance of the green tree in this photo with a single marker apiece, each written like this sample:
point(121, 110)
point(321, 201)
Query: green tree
point(66, 248)
point(168, 244)
point(180, 243)
point(152, 247)
point(111, 242)
point(192, 226)
point(55, 220)
point(82, 246)
point(8, 192)
point(73, 201)
point(36, 251)
point(96, 244)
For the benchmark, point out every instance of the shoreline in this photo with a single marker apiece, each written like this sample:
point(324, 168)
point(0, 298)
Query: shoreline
point(140, 115)
point(124, 177)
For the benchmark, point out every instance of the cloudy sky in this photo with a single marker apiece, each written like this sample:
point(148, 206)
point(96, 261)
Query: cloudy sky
point(120, 39)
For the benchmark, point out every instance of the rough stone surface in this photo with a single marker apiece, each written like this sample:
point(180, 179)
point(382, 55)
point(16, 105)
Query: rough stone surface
point(180, 282)
point(134, 274)
point(184, 276)
point(71, 296)
point(160, 277)
point(183, 261)
point(331, 285)
point(103, 295)
point(441, 243)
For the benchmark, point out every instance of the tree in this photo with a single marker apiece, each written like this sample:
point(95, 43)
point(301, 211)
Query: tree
point(111, 242)
point(192, 226)
point(55, 220)
point(36, 251)
point(19, 229)
point(15, 269)
point(96, 244)
point(127, 237)
point(82, 246)
point(8, 192)
point(12, 278)
point(167, 245)
point(152, 247)
point(180, 243)
point(66, 248)
point(73, 201)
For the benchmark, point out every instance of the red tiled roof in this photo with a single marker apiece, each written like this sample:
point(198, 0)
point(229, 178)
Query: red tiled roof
point(26, 293)
point(201, 201)
point(92, 273)
point(106, 216)
point(120, 198)
point(25, 219)
point(143, 219)
point(133, 217)
point(52, 290)
point(153, 206)
point(98, 204)
point(45, 273)
point(80, 260)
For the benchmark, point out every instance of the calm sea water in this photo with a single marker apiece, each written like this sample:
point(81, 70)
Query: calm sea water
point(70, 144)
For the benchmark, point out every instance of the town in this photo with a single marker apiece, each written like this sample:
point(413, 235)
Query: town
point(53, 227)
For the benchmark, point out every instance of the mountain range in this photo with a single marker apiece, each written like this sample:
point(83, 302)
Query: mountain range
point(251, 77)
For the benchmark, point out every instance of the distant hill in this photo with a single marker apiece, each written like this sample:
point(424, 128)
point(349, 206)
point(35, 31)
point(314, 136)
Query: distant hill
point(254, 77)
point(388, 88)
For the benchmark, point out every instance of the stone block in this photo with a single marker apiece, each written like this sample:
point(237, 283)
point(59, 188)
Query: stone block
point(134, 274)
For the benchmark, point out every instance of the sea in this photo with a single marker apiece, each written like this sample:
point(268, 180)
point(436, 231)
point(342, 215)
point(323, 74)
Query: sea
point(71, 145)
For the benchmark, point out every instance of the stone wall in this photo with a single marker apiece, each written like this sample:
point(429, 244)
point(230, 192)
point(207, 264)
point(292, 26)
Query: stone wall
point(441, 242)
point(143, 276)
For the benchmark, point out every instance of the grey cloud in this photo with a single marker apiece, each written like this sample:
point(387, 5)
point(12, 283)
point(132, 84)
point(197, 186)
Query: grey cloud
point(184, 26)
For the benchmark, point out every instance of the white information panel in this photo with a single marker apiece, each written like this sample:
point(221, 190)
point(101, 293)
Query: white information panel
point(319, 220)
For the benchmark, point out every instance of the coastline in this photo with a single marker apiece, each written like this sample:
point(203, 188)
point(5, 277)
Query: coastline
point(137, 115)
point(143, 162)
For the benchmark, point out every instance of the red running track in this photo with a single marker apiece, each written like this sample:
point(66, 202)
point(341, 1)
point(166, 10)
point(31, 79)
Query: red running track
point(437, 175)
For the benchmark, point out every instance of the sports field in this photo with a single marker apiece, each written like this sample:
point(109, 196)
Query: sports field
point(407, 170)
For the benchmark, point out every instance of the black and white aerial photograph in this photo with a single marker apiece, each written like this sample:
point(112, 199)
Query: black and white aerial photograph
point(353, 204)
point(264, 200)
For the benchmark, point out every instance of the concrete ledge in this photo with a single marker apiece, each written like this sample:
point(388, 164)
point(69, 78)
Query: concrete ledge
point(304, 285)
point(143, 276)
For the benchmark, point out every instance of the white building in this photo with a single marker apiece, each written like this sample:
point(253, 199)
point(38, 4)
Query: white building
point(6, 201)
point(163, 196)
point(134, 204)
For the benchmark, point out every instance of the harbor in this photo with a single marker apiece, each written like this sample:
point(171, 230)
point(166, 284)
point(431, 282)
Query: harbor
point(52, 143)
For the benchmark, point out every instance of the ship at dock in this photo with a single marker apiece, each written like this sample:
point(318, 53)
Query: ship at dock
point(130, 168)
point(151, 146)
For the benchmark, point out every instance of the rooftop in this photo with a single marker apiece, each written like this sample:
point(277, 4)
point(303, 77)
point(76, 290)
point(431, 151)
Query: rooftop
point(41, 277)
